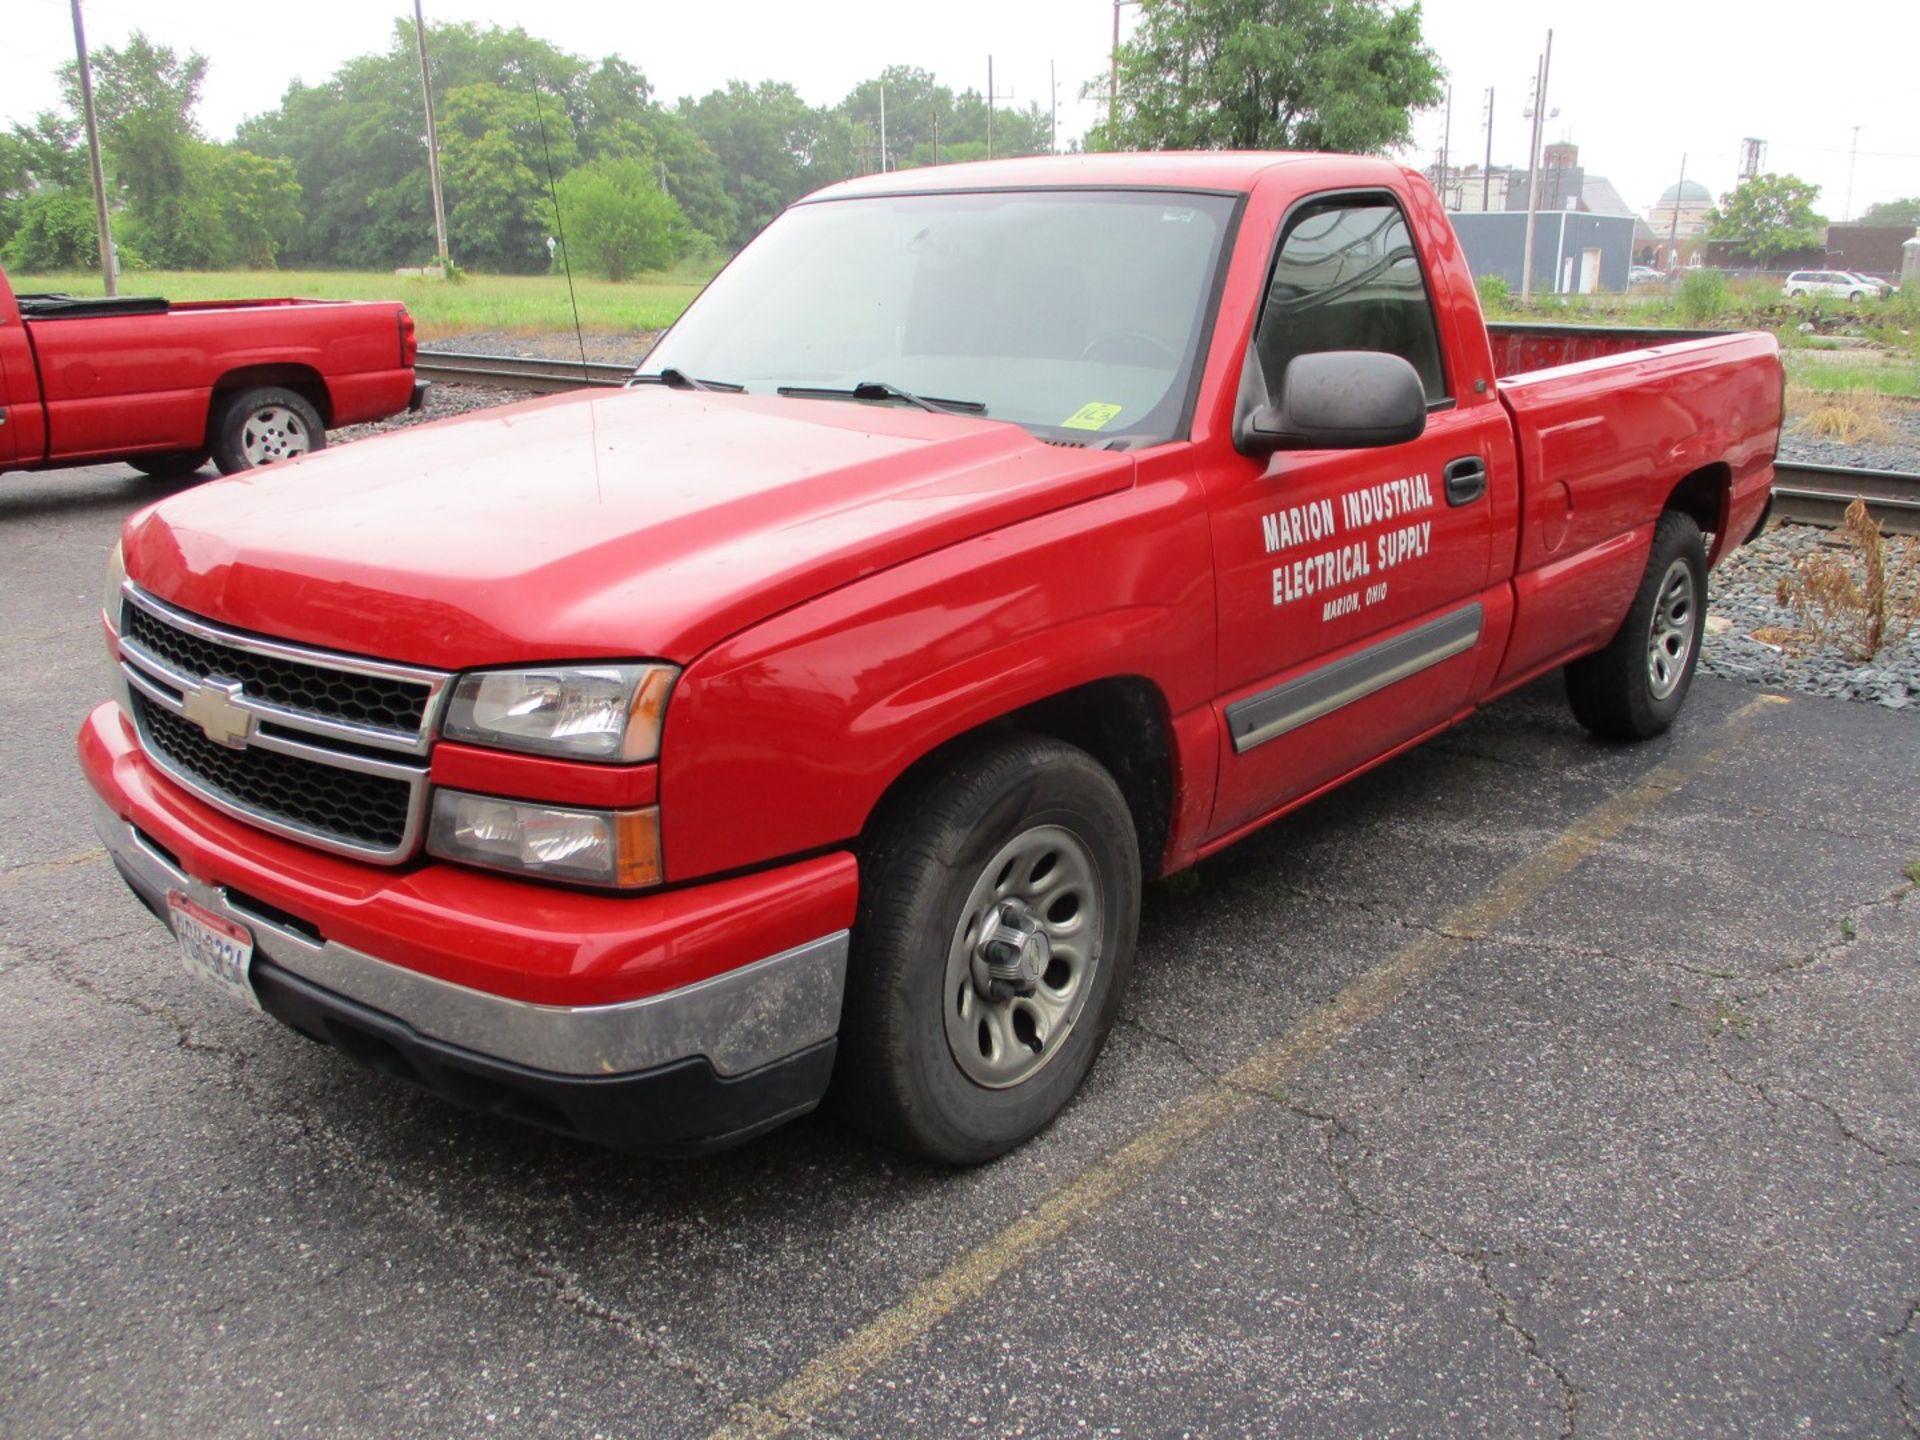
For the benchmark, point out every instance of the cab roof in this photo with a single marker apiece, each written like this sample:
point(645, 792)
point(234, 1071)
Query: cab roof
point(1221, 170)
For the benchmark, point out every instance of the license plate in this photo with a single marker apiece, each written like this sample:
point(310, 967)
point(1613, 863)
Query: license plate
point(212, 948)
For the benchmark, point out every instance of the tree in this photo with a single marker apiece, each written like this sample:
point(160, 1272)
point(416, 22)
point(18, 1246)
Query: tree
point(1904, 213)
point(1768, 215)
point(1270, 75)
point(765, 138)
point(619, 221)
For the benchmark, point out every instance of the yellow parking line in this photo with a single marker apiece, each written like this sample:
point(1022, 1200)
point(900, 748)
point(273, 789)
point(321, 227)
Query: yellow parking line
point(838, 1367)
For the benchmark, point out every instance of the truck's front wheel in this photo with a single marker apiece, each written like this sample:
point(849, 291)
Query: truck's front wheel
point(1633, 689)
point(999, 903)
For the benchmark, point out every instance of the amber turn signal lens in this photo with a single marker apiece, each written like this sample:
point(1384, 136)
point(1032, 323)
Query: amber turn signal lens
point(637, 845)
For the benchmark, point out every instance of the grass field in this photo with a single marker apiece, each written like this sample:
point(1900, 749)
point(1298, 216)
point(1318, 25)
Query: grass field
point(1875, 374)
point(504, 304)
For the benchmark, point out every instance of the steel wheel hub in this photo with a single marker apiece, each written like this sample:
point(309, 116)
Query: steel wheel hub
point(272, 433)
point(1023, 956)
point(1670, 638)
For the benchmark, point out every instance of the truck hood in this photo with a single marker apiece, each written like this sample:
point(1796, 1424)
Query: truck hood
point(643, 523)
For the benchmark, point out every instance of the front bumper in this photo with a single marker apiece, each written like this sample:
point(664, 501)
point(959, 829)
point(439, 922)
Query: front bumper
point(694, 1066)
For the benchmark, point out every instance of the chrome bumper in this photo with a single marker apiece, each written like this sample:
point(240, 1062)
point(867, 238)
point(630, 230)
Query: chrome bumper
point(738, 1021)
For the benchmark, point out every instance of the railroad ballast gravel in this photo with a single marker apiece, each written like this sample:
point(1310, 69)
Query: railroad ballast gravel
point(1743, 587)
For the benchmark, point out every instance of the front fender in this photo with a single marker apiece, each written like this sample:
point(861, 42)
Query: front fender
point(782, 739)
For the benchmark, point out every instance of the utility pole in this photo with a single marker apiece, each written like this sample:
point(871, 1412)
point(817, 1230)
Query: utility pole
point(1533, 168)
point(1673, 227)
point(1113, 81)
point(1446, 146)
point(1486, 172)
point(433, 139)
point(883, 127)
point(989, 107)
point(1853, 156)
point(1053, 97)
point(936, 137)
point(105, 231)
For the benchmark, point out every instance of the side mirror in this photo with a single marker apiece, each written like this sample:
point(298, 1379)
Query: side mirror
point(1339, 400)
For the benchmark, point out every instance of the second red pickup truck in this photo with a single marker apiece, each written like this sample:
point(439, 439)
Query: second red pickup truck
point(984, 542)
point(165, 386)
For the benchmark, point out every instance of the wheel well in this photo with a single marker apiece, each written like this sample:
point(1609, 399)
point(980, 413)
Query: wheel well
point(1703, 496)
point(303, 380)
point(1121, 722)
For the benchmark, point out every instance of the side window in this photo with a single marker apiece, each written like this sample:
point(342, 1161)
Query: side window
point(1348, 278)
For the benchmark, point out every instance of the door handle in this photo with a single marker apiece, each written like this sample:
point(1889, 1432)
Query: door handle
point(1466, 480)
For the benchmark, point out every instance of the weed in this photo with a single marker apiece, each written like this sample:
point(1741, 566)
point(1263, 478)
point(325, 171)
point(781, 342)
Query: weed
point(1848, 930)
point(1726, 1020)
point(1862, 598)
point(1496, 296)
point(1912, 872)
point(1183, 882)
point(1851, 416)
point(1703, 296)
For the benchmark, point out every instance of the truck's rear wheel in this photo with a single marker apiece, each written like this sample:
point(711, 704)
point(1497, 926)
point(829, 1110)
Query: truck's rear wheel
point(171, 462)
point(264, 426)
point(1633, 689)
point(999, 904)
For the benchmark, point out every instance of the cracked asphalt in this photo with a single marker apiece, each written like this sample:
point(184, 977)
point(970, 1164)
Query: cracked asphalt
point(1407, 1130)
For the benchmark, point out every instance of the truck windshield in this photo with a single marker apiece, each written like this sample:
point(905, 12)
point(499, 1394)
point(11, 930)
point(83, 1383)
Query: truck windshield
point(1070, 312)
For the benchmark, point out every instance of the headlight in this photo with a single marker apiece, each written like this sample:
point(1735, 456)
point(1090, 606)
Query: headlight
point(110, 589)
point(594, 847)
point(610, 713)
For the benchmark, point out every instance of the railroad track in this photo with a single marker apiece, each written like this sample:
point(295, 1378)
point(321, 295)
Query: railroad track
point(516, 372)
point(1815, 494)
point(1820, 494)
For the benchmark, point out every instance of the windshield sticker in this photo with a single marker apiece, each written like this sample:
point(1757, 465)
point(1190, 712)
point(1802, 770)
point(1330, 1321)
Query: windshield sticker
point(1094, 415)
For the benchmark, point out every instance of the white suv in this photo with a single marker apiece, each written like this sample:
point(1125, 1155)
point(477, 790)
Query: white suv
point(1839, 283)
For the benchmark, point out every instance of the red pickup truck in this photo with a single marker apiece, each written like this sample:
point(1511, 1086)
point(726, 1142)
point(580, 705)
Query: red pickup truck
point(164, 386)
point(984, 542)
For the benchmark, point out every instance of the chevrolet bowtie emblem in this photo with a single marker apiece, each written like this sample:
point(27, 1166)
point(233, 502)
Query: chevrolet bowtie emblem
point(210, 705)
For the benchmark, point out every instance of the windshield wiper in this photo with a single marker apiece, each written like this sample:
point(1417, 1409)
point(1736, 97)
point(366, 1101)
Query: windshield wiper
point(881, 390)
point(676, 379)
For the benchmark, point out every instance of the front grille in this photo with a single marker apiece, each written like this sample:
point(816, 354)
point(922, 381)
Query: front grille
point(383, 702)
point(367, 810)
point(327, 749)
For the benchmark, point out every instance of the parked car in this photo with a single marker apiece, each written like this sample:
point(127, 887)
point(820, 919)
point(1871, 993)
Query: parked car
point(1837, 283)
point(164, 386)
point(1644, 275)
point(984, 543)
point(1876, 287)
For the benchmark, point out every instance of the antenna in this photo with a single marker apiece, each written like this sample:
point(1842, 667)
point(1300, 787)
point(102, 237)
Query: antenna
point(560, 229)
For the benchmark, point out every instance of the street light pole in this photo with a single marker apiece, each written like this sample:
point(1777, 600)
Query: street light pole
point(1533, 168)
point(1853, 155)
point(105, 231)
point(433, 139)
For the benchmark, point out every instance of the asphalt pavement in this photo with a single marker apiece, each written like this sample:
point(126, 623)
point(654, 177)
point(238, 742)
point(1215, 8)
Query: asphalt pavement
point(1528, 1086)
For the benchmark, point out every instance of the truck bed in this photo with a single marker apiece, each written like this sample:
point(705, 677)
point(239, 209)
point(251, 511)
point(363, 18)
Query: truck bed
point(1519, 348)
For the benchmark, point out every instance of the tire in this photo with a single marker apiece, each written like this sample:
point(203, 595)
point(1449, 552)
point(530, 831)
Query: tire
point(1795, 294)
point(169, 463)
point(1633, 689)
point(1855, 297)
point(939, 1057)
point(264, 426)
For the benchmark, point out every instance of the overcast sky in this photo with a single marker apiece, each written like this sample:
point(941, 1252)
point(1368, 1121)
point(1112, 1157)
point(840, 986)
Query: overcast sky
point(1636, 86)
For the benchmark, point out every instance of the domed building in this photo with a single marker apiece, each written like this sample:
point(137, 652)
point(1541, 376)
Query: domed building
point(1681, 212)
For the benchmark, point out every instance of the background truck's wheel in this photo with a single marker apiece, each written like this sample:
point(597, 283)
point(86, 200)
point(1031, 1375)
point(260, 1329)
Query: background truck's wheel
point(171, 462)
point(262, 426)
point(1633, 689)
point(999, 903)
